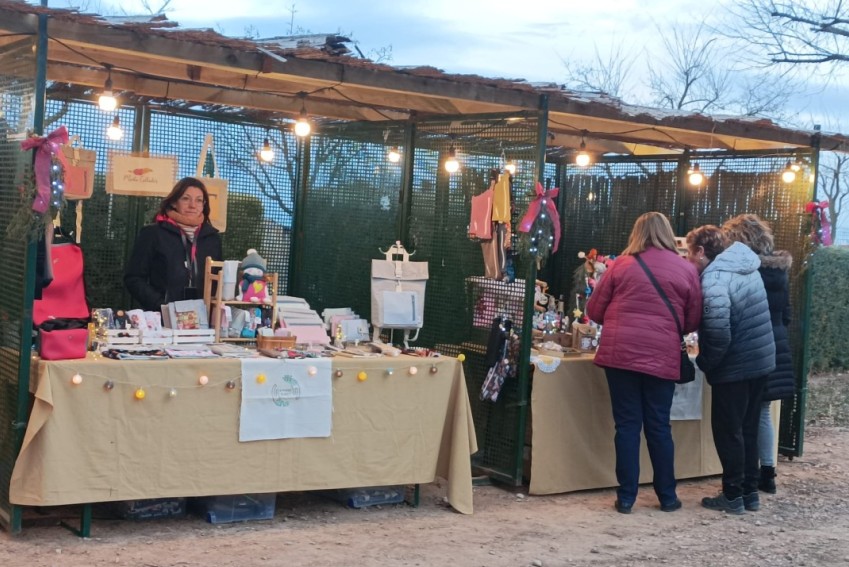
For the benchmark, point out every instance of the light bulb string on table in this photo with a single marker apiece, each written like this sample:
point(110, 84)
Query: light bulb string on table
point(203, 380)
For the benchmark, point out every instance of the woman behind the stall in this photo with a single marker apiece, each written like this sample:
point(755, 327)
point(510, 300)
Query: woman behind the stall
point(736, 353)
point(167, 262)
point(640, 352)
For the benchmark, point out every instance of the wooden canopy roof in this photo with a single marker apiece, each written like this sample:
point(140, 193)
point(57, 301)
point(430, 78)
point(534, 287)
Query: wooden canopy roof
point(156, 59)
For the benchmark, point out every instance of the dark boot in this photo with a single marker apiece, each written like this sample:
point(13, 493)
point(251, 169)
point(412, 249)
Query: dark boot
point(767, 480)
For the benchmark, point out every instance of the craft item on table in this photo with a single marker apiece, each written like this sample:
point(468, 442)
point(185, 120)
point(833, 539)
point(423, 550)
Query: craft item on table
point(137, 319)
point(135, 354)
point(175, 352)
point(586, 277)
point(584, 337)
point(187, 314)
point(385, 349)
point(253, 286)
point(121, 320)
point(230, 350)
point(540, 225)
point(547, 364)
point(153, 320)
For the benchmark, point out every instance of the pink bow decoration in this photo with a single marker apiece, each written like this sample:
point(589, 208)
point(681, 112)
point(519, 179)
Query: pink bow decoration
point(46, 148)
point(543, 201)
point(821, 232)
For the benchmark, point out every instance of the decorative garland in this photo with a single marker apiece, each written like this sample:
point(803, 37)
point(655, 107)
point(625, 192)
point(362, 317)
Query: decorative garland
point(42, 190)
point(540, 226)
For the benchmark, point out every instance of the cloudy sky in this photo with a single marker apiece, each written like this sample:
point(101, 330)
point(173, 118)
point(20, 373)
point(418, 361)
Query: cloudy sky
point(527, 39)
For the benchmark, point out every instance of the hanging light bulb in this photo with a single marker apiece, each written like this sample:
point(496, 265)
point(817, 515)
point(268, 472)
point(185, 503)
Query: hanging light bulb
point(694, 175)
point(582, 159)
point(591, 196)
point(266, 154)
point(302, 126)
point(788, 175)
point(796, 165)
point(510, 167)
point(115, 132)
point(451, 163)
point(107, 101)
point(394, 155)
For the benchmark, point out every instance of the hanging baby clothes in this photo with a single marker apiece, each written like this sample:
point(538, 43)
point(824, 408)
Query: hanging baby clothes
point(501, 199)
point(480, 223)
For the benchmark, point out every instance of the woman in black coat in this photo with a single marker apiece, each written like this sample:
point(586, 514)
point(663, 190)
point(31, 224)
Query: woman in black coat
point(167, 262)
point(781, 383)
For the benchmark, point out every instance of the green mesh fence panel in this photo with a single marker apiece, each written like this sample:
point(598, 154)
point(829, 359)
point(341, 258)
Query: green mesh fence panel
point(461, 303)
point(600, 203)
point(17, 88)
point(350, 212)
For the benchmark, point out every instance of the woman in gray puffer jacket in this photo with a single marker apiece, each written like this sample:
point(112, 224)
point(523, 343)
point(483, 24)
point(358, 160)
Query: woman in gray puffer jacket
point(736, 353)
point(781, 382)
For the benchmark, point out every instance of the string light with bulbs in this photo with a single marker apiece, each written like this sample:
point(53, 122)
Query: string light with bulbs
point(203, 381)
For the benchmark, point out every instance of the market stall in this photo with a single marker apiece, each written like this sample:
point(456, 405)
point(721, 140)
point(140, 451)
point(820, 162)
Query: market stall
point(93, 442)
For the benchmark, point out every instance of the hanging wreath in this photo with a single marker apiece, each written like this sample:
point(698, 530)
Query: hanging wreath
point(540, 226)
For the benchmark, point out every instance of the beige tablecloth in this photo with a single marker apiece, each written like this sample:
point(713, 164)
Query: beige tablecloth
point(86, 444)
point(572, 440)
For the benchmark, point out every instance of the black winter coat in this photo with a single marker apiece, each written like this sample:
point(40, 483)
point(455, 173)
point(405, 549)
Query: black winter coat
point(157, 274)
point(781, 383)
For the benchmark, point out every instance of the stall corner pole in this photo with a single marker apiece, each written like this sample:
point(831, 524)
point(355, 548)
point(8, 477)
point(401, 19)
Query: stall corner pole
point(681, 208)
point(805, 365)
point(25, 358)
point(406, 193)
point(296, 258)
point(527, 315)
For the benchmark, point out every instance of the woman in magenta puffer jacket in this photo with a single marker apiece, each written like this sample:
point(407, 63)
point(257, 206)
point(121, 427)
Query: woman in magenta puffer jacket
point(640, 351)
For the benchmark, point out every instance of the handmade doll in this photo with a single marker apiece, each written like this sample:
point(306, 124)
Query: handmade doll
point(253, 286)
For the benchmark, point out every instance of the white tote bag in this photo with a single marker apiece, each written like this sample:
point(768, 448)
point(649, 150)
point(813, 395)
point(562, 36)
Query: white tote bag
point(398, 291)
point(215, 186)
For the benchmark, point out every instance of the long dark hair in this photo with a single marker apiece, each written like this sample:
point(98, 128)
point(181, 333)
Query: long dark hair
point(169, 202)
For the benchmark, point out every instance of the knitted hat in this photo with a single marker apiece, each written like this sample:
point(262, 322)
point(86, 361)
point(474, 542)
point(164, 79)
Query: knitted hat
point(253, 260)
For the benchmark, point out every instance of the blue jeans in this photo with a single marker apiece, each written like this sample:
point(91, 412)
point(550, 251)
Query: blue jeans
point(766, 437)
point(642, 401)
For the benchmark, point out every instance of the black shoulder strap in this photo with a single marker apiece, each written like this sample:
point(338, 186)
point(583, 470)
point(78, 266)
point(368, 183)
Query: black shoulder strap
point(660, 292)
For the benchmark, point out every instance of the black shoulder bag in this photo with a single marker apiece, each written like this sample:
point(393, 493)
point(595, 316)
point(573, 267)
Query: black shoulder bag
point(688, 370)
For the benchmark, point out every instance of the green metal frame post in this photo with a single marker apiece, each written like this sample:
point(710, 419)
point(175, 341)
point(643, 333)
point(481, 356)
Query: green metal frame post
point(527, 316)
point(805, 365)
point(24, 366)
point(681, 212)
point(406, 196)
point(302, 183)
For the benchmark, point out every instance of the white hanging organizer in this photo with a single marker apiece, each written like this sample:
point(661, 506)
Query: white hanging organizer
point(398, 293)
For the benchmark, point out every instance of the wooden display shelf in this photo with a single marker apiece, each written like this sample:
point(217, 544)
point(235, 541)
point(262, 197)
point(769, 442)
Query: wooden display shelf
point(212, 295)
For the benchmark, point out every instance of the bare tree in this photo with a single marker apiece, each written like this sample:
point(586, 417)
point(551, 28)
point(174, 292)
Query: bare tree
point(793, 33)
point(607, 73)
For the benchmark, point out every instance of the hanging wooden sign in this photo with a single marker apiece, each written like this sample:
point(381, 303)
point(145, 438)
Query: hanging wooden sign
point(142, 176)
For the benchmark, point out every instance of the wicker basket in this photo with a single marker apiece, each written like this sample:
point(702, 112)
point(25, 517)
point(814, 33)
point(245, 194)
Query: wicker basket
point(275, 342)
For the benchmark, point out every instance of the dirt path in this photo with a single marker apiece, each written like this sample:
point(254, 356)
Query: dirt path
point(805, 524)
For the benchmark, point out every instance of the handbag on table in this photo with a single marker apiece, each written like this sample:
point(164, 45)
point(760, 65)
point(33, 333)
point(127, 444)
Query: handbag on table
point(687, 371)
